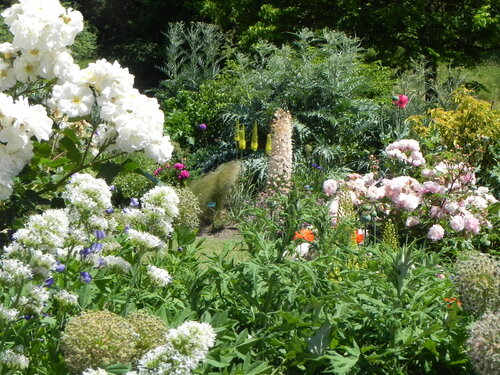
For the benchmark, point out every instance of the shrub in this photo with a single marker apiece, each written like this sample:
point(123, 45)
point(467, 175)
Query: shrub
point(478, 282)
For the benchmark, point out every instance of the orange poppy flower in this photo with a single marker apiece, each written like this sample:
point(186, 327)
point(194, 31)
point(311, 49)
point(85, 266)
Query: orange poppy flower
point(451, 301)
point(358, 236)
point(305, 234)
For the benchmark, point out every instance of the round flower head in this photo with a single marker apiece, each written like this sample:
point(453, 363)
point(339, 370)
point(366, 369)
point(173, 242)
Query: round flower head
point(87, 194)
point(436, 233)
point(159, 276)
point(202, 127)
point(400, 100)
point(97, 339)
point(330, 187)
point(183, 175)
point(484, 344)
point(151, 330)
point(162, 198)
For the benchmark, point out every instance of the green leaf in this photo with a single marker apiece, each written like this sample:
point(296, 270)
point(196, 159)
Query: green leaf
point(108, 171)
point(118, 369)
point(68, 145)
point(321, 340)
point(342, 364)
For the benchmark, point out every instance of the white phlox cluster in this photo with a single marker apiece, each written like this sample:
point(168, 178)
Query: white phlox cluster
point(42, 30)
point(159, 276)
point(185, 347)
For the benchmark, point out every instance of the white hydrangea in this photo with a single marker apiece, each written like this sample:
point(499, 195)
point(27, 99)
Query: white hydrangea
point(159, 276)
point(13, 360)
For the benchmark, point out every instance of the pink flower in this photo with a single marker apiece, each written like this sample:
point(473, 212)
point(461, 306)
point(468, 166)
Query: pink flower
point(471, 223)
point(400, 100)
point(157, 171)
point(436, 233)
point(411, 221)
point(183, 175)
point(440, 276)
point(179, 166)
point(457, 223)
point(330, 187)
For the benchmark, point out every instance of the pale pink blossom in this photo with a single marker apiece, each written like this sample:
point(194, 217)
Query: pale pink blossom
point(471, 223)
point(457, 223)
point(330, 187)
point(411, 221)
point(436, 233)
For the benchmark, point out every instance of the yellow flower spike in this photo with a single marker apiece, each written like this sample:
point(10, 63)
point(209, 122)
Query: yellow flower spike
point(255, 137)
point(269, 144)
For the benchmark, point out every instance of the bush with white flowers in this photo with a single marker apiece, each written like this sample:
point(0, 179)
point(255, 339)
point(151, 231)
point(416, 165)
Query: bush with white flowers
point(117, 117)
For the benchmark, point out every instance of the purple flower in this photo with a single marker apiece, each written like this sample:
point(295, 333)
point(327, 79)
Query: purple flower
point(202, 126)
point(48, 283)
point(96, 247)
point(85, 277)
point(112, 187)
point(110, 210)
point(179, 166)
point(60, 267)
point(134, 202)
point(183, 175)
point(126, 210)
point(99, 234)
point(85, 252)
point(127, 228)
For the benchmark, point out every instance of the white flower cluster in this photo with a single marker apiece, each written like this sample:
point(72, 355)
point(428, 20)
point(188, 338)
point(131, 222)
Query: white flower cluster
point(18, 123)
point(42, 30)
point(159, 208)
point(185, 347)
point(88, 196)
point(8, 315)
point(13, 360)
point(159, 276)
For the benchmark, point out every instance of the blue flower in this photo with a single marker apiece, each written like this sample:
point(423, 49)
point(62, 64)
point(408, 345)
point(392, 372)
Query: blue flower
point(134, 202)
point(48, 283)
point(85, 277)
point(85, 252)
point(99, 234)
point(60, 267)
point(110, 210)
point(96, 247)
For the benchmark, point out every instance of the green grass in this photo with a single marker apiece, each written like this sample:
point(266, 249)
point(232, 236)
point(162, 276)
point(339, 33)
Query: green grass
point(488, 74)
point(215, 246)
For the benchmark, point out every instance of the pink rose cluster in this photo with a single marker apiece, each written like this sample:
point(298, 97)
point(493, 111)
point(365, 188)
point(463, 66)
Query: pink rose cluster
point(179, 168)
point(445, 196)
point(407, 151)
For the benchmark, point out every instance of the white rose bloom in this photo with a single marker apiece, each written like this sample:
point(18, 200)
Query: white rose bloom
point(74, 100)
point(72, 25)
point(8, 50)
point(26, 68)
point(102, 74)
point(7, 75)
point(65, 68)
point(160, 150)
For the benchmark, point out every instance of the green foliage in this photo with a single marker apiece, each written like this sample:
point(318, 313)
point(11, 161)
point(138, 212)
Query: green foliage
point(131, 184)
point(215, 186)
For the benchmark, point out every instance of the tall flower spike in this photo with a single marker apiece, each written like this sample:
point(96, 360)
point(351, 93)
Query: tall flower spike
point(255, 137)
point(242, 138)
point(280, 164)
point(269, 146)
